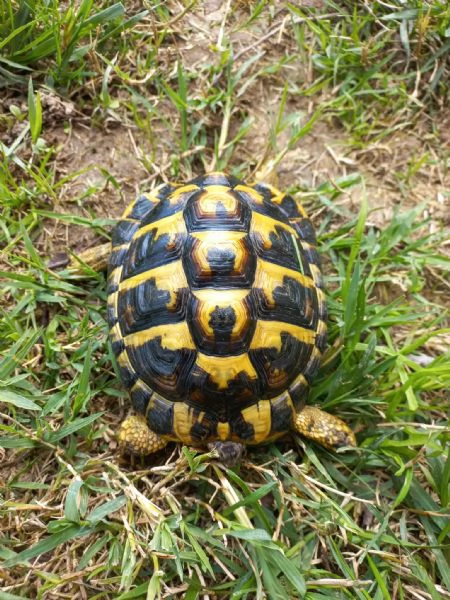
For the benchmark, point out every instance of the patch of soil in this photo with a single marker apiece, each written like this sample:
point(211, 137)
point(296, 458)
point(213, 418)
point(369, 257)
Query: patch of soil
point(110, 173)
point(404, 170)
point(103, 171)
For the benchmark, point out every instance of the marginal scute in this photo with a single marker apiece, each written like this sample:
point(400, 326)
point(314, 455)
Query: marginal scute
point(223, 430)
point(112, 309)
point(298, 391)
point(117, 256)
point(216, 178)
point(258, 415)
point(114, 277)
point(322, 310)
point(305, 230)
point(126, 369)
point(281, 414)
point(160, 415)
point(311, 366)
point(242, 430)
point(289, 206)
point(311, 254)
point(321, 335)
point(316, 275)
point(140, 395)
point(270, 203)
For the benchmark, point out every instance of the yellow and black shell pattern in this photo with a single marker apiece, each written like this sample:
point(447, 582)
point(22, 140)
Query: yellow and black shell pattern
point(216, 309)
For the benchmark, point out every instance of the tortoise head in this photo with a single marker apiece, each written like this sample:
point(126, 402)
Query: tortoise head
point(229, 453)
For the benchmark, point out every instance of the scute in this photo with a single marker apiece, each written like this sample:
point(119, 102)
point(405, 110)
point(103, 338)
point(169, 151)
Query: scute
point(220, 321)
point(215, 308)
point(165, 370)
point(219, 261)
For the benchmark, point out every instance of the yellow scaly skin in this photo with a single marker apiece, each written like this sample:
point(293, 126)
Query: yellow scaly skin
point(135, 437)
point(323, 428)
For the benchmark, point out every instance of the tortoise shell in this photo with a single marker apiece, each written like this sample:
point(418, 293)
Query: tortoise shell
point(216, 309)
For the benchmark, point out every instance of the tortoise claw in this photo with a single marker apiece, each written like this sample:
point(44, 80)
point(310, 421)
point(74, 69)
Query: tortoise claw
point(59, 260)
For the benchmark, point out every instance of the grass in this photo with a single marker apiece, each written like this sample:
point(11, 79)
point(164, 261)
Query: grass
point(346, 104)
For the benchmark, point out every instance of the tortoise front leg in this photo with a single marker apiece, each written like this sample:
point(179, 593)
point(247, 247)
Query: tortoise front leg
point(136, 437)
point(323, 428)
point(96, 258)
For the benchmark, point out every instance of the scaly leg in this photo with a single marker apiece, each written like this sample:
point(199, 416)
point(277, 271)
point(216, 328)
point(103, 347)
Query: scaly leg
point(96, 258)
point(136, 437)
point(323, 428)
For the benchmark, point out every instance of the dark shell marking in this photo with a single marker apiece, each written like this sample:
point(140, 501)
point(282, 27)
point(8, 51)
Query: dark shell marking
point(216, 309)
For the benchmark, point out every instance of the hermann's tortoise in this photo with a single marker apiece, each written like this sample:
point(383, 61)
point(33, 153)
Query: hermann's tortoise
point(217, 318)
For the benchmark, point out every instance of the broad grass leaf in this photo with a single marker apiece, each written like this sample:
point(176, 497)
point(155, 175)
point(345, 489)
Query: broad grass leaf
point(102, 511)
point(108, 14)
point(253, 497)
point(72, 427)
point(48, 544)
point(288, 569)
point(198, 550)
point(16, 442)
point(139, 592)
point(71, 506)
point(18, 400)
point(250, 535)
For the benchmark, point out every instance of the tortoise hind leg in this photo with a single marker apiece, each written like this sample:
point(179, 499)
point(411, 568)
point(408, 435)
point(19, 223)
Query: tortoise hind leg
point(323, 428)
point(136, 437)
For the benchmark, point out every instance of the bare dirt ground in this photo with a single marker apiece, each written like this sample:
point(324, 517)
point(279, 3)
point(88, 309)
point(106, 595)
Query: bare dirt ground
point(115, 159)
point(324, 155)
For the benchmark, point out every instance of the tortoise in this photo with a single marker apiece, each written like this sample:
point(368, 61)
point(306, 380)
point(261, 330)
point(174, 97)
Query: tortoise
point(217, 318)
